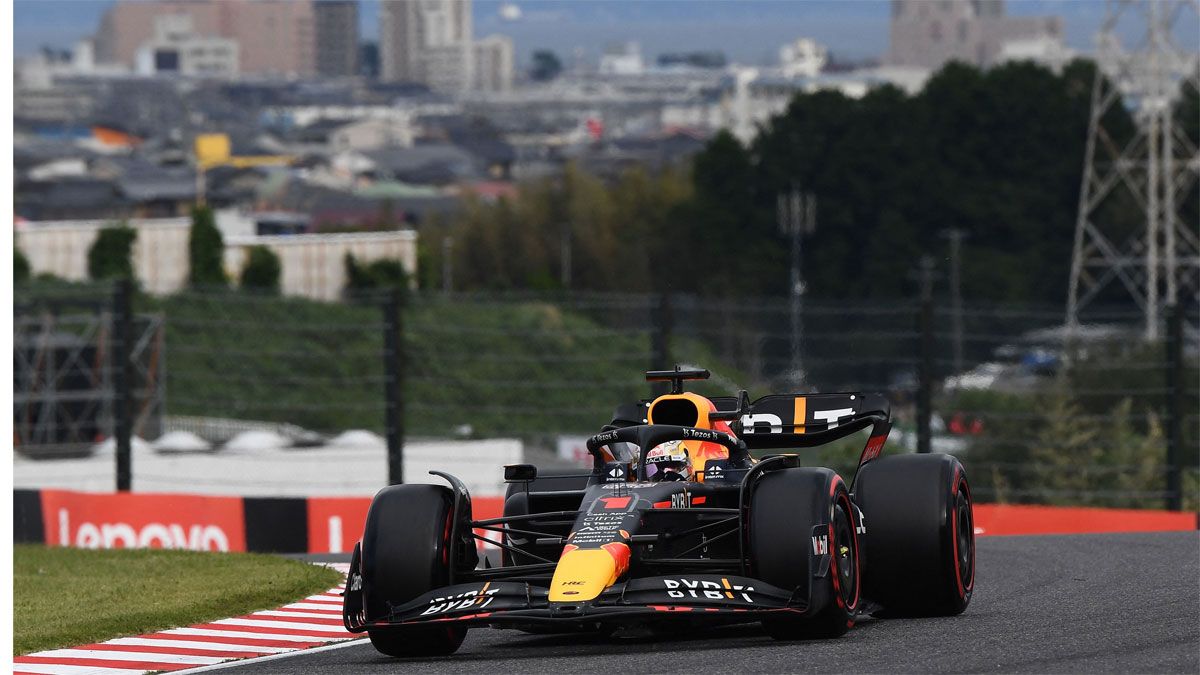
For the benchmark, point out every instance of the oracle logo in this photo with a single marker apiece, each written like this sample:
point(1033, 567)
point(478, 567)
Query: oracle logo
point(150, 535)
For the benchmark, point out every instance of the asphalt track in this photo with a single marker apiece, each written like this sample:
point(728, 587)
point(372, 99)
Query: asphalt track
point(1076, 603)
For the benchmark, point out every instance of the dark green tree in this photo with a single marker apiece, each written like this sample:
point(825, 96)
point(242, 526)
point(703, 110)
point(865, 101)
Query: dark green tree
point(546, 65)
point(375, 275)
point(111, 254)
point(262, 270)
point(21, 270)
point(206, 251)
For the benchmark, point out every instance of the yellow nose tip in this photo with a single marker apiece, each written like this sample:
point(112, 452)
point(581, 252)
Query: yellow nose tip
point(582, 574)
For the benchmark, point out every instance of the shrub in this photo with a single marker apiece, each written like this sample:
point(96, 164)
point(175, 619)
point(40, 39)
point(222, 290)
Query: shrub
point(21, 270)
point(111, 255)
point(206, 251)
point(377, 274)
point(262, 270)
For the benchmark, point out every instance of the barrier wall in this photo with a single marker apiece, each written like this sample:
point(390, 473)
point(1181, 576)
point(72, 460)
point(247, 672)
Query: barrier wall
point(198, 522)
point(334, 524)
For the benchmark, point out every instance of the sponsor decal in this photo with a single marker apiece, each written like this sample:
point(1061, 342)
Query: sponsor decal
point(615, 502)
point(820, 544)
point(469, 599)
point(199, 523)
point(699, 434)
point(355, 582)
point(874, 447)
point(862, 521)
point(606, 437)
point(599, 528)
point(680, 500)
point(616, 474)
point(762, 423)
point(683, 587)
point(831, 417)
point(714, 472)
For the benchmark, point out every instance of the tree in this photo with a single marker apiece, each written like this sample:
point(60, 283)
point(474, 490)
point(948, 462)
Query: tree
point(206, 251)
point(546, 66)
point(375, 275)
point(262, 270)
point(21, 269)
point(111, 255)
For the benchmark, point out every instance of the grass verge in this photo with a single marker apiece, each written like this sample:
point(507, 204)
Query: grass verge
point(63, 597)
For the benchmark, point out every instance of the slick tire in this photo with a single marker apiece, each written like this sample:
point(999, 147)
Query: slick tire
point(920, 534)
point(405, 552)
point(787, 510)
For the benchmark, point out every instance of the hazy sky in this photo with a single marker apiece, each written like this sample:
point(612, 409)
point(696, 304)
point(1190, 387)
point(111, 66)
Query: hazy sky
point(748, 31)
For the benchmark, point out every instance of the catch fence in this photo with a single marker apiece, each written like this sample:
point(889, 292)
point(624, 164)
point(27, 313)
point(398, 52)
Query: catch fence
point(1038, 413)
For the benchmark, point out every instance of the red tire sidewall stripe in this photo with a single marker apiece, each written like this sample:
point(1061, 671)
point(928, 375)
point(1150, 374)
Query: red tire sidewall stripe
point(837, 587)
point(957, 482)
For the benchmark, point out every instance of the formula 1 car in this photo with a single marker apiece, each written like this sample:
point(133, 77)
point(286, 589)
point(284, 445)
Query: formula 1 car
point(628, 545)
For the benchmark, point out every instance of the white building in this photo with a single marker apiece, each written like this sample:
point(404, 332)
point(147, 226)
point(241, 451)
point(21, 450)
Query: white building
point(370, 134)
point(312, 265)
point(622, 59)
point(803, 57)
point(930, 34)
point(494, 64)
point(177, 49)
point(1044, 50)
point(427, 41)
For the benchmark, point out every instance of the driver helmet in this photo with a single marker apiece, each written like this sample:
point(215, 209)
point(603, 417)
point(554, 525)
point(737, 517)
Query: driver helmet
point(668, 461)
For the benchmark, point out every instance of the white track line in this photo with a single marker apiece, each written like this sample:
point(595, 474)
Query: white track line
point(105, 655)
point(311, 615)
point(273, 657)
point(196, 644)
point(323, 598)
point(55, 669)
point(249, 634)
point(323, 606)
point(282, 625)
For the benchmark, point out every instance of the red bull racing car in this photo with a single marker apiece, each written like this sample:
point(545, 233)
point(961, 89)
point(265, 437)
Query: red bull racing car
point(677, 522)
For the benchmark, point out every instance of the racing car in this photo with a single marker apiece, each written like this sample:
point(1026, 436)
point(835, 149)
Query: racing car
point(677, 521)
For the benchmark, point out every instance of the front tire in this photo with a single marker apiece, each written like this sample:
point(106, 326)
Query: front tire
point(799, 516)
point(405, 553)
point(920, 534)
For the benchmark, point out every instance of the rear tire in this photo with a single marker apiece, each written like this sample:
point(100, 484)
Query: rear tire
point(784, 510)
point(405, 553)
point(920, 534)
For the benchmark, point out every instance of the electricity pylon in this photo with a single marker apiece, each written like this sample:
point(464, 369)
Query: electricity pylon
point(1154, 258)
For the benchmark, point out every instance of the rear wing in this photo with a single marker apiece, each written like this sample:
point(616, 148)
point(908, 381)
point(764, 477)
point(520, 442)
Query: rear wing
point(808, 420)
point(784, 421)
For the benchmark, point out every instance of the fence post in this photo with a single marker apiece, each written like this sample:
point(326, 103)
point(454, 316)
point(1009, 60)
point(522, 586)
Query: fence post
point(660, 339)
point(393, 385)
point(1174, 416)
point(925, 370)
point(121, 339)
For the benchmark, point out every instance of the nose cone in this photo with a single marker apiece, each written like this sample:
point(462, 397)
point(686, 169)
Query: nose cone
point(583, 574)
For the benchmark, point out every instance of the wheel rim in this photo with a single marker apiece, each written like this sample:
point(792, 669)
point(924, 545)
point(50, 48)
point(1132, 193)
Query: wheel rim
point(965, 536)
point(845, 555)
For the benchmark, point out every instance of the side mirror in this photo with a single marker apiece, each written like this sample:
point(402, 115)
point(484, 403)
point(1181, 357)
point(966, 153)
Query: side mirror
point(519, 473)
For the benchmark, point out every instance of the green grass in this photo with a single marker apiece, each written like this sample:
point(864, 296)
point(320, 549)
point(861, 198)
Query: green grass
point(64, 597)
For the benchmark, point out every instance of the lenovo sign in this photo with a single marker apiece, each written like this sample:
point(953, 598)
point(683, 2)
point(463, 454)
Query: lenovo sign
point(143, 521)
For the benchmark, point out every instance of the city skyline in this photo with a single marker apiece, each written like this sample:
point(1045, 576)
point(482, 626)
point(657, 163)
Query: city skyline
point(748, 32)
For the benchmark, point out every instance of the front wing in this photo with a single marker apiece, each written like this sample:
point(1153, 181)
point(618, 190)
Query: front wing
point(500, 602)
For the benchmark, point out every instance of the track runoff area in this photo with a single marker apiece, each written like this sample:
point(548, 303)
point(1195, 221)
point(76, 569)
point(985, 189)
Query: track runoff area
point(1045, 603)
